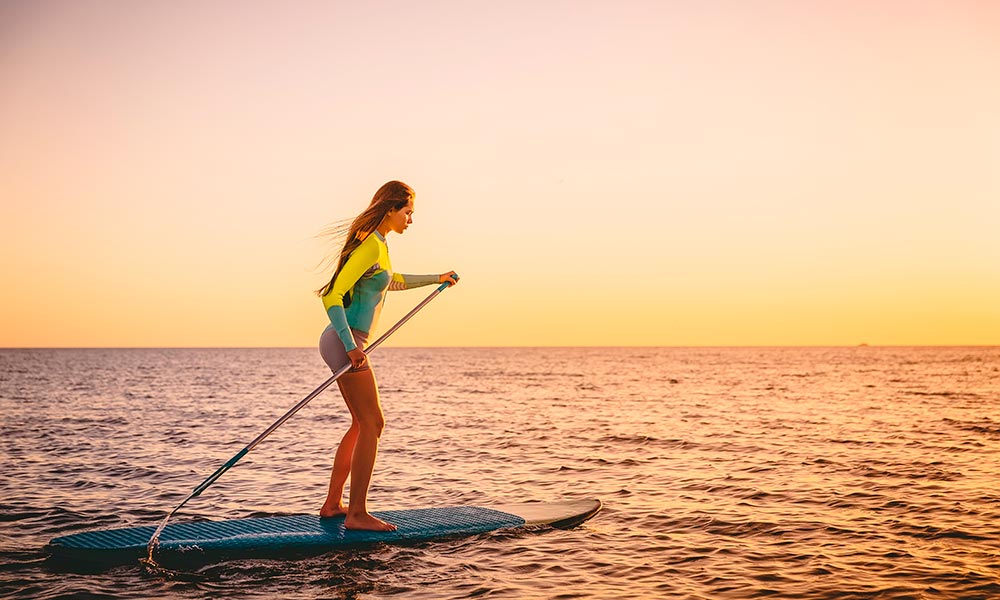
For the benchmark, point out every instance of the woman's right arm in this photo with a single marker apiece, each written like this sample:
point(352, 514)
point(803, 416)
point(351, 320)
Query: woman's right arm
point(363, 257)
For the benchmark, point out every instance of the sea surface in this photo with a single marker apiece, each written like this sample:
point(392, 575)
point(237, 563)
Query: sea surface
point(831, 473)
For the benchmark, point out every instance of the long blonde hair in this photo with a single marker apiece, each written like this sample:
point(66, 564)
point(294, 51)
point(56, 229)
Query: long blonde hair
point(393, 195)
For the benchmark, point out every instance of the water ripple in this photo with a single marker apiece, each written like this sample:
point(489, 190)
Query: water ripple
point(819, 473)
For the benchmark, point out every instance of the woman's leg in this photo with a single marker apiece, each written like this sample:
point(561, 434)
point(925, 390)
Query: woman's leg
point(334, 504)
point(361, 393)
point(333, 353)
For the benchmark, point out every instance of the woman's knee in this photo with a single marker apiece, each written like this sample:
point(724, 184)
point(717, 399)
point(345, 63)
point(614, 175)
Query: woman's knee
point(372, 425)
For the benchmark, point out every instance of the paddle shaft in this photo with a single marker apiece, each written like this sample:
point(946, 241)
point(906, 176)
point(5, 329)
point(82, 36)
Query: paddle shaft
point(260, 438)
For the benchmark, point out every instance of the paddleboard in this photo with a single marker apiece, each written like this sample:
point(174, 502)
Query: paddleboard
point(309, 533)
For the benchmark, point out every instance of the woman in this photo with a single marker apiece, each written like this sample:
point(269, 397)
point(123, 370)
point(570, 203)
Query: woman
point(353, 300)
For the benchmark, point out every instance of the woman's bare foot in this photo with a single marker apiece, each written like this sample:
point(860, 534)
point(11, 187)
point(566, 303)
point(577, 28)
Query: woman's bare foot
point(367, 522)
point(328, 512)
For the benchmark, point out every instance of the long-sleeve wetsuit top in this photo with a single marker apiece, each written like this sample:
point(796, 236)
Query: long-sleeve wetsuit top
point(365, 276)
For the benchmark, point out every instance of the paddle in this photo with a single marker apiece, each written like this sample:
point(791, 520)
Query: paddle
point(260, 438)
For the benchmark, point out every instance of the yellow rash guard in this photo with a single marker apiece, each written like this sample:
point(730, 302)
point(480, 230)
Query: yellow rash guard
point(366, 276)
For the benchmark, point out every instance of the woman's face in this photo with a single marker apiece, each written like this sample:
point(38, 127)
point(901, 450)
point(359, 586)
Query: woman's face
point(400, 219)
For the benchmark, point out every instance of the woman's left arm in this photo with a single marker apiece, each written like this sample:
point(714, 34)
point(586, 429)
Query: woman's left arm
point(402, 281)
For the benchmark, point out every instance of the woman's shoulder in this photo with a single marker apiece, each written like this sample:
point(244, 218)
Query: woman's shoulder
point(369, 248)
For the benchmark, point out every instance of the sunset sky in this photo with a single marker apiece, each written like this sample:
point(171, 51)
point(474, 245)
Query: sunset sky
point(600, 173)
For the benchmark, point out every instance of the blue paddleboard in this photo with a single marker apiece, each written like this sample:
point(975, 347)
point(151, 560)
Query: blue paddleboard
point(309, 533)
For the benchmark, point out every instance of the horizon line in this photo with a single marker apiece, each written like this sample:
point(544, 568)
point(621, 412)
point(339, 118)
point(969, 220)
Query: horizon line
point(861, 345)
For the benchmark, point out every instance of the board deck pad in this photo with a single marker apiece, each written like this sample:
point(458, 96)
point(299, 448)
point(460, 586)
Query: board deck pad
point(309, 532)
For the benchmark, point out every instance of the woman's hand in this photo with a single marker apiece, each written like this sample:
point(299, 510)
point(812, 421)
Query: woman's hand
point(449, 277)
point(358, 358)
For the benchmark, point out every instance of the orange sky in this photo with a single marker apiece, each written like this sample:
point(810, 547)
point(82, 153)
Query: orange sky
point(618, 173)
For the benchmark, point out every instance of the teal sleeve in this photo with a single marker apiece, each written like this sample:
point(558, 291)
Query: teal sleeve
point(401, 281)
point(413, 281)
point(338, 318)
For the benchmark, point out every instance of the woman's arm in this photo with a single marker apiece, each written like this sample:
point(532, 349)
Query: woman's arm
point(363, 257)
point(402, 281)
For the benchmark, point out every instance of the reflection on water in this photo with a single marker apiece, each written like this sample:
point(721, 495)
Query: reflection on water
point(726, 473)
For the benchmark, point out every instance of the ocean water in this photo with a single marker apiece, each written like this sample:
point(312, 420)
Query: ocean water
point(725, 472)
